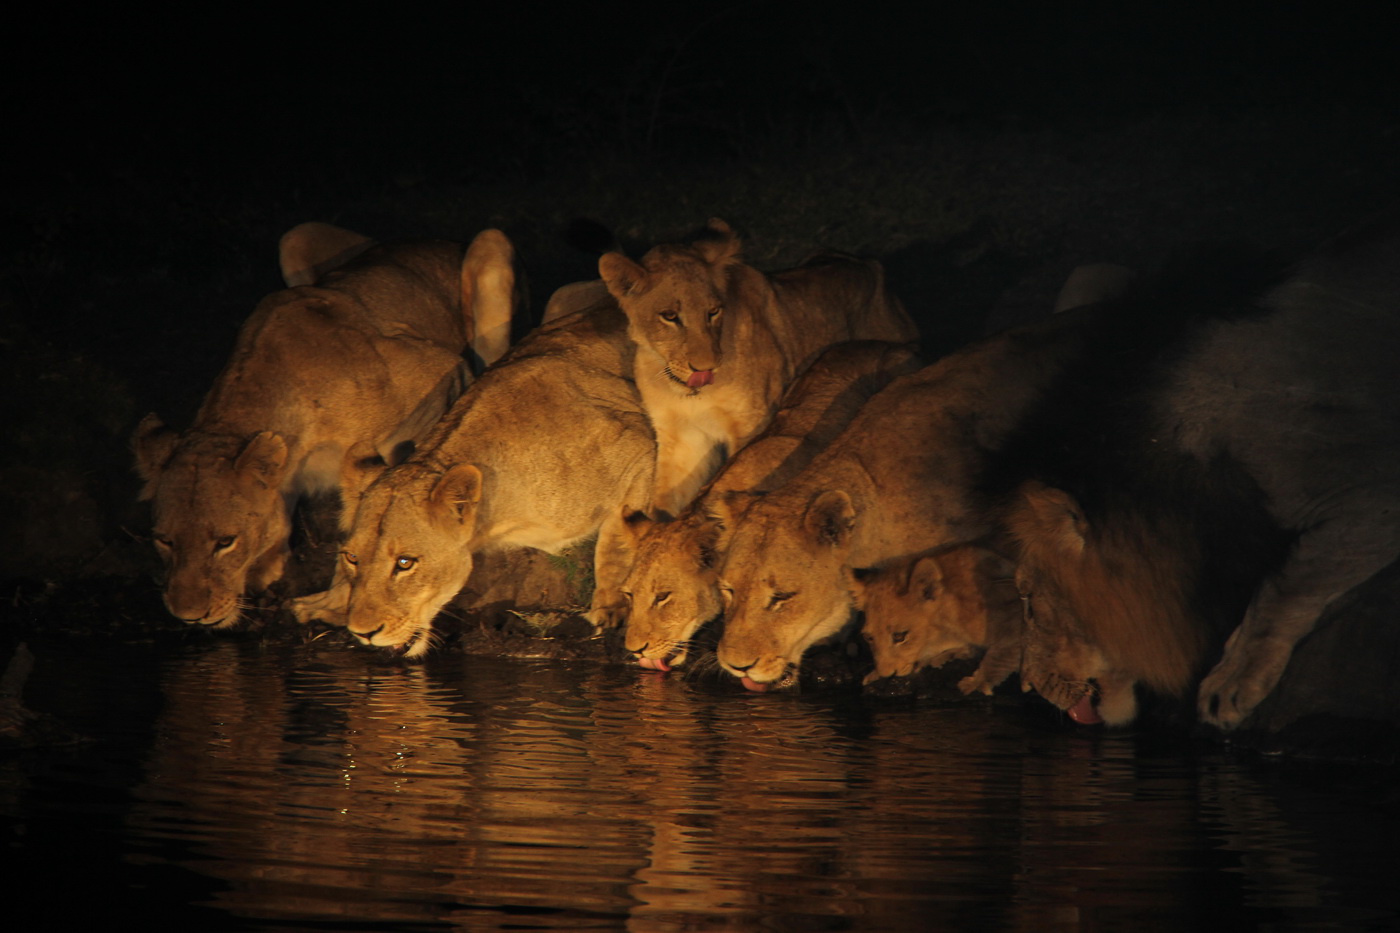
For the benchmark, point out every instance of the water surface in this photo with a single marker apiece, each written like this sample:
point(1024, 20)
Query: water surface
point(237, 786)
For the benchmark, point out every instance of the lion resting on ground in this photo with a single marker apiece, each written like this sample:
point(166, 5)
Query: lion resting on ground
point(324, 379)
point(718, 343)
point(671, 589)
point(540, 452)
point(947, 603)
point(1238, 466)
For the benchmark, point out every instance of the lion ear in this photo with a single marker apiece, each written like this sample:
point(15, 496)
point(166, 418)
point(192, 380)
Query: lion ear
point(456, 495)
point(262, 459)
point(635, 524)
point(925, 577)
point(622, 276)
point(153, 444)
point(1056, 516)
point(830, 517)
point(861, 578)
point(719, 244)
point(310, 250)
point(489, 295)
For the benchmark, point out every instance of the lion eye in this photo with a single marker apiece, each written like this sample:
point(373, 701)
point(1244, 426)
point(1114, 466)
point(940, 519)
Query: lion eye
point(715, 312)
point(660, 599)
point(404, 563)
point(898, 637)
point(162, 542)
point(670, 317)
point(627, 595)
point(224, 543)
point(726, 594)
point(777, 599)
point(350, 557)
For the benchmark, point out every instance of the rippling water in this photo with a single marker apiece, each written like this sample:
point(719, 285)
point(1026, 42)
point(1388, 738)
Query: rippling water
point(321, 788)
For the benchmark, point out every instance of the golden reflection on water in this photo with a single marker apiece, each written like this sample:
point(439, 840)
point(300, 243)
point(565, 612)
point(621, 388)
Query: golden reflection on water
point(327, 784)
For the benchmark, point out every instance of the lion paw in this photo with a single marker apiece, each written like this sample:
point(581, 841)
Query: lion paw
point(319, 606)
point(1243, 678)
point(975, 682)
point(609, 610)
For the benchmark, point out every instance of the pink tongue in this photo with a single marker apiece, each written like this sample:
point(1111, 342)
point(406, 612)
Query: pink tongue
point(1084, 713)
point(753, 685)
point(702, 378)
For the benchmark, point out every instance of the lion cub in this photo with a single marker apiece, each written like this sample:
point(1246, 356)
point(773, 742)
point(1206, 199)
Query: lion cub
point(671, 590)
point(947, 603)
point(718, 342)
point(324, 378)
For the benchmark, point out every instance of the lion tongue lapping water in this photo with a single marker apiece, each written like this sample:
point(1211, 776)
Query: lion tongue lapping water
point(1084, 712)
point(700, 378)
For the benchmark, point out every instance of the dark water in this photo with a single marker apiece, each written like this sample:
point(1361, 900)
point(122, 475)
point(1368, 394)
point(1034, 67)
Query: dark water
point(318, 788)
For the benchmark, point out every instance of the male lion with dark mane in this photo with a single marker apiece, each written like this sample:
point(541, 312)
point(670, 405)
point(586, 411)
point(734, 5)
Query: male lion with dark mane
point(1224, 458)
point(326, 377)
point(718, 342)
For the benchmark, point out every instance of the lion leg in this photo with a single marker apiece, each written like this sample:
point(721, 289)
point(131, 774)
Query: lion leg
point(330, 606)
point(1000, 662)
point(1327, 561)
point(612, 562)
point(686, 459)
point(269, 567)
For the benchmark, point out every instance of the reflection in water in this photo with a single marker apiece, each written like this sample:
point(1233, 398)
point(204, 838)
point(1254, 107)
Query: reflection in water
point(330, 788)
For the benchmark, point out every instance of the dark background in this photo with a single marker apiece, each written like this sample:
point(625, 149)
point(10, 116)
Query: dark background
point(980, 151)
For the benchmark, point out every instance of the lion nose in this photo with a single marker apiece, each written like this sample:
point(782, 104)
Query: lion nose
point(366, 637)
point(743, 668)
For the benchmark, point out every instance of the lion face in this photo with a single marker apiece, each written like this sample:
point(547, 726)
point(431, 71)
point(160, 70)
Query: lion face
point(408, 554)
point(785, 588)
point(1062, 663)
point(672, 590)
point(919, 613)
point(220, 522)
point(675, 303)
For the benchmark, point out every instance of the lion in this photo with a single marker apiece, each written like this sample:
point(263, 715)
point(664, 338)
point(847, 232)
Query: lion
point(1138, 622)
point(539, 452)
point(1237, 473)
point(671, 589)
point(718, 342)
point(900, 479)
point(947, 603)
point(326, 378)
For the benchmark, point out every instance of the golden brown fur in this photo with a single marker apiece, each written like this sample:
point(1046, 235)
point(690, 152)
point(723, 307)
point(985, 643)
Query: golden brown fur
point(947, 603)
point(899, 480)
point(540, 452)
point(671, 589)
point(322, 383)
point(718, 343)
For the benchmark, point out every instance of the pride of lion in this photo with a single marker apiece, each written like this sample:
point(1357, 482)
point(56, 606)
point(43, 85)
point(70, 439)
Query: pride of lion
point(1156, 491)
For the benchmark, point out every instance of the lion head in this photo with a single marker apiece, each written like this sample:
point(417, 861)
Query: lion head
point(933, 607)
point(220, 518)
point(673, 587)
point(675, 301)
point(409, 553)
point(785, 588)
point(1107, 605)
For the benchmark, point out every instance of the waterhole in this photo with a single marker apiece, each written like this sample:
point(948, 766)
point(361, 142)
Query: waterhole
point(227, 785)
